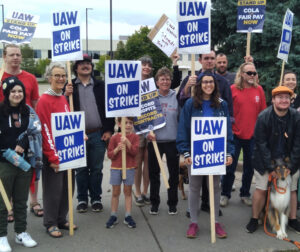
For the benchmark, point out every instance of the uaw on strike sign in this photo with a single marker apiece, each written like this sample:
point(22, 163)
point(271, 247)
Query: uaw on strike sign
point(193, 26)
point(68, 135)
point(208, 144)
point(66, 42)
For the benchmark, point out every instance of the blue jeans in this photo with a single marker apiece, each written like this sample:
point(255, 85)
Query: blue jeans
point(89, 178)
point(228, 179)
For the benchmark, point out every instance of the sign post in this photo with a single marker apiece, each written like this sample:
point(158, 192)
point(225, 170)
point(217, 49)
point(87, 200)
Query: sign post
point(286, 39)
point(122, 93)
point(208, 149)
point(250, 18)
point(152, 118)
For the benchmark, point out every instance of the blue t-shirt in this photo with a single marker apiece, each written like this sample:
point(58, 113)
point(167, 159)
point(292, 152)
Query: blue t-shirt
point(207, 109)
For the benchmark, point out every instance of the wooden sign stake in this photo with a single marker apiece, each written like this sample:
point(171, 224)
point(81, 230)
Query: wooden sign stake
point(212, 208)
point(70, 189)
point(123, 150)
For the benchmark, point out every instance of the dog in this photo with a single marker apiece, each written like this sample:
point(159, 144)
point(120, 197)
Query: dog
point(183, 178)
point(280, 198)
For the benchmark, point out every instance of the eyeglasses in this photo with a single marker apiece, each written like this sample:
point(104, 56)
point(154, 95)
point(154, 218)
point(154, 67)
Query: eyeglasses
point(207, 82)
point(251, 73)
point(58, 76)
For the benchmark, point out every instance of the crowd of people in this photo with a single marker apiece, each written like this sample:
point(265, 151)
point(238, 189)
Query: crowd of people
point(263, 133)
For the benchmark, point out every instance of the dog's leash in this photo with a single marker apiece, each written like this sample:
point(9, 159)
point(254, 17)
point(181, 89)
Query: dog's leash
point(283, 190)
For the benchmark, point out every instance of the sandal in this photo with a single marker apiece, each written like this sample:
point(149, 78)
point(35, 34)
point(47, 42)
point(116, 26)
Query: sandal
point(66, 226)
point(53, 229)
point(38, 212)
point(10, 217)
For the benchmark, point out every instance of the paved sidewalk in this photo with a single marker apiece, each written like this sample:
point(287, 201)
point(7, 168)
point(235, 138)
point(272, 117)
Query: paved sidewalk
point(153, 233)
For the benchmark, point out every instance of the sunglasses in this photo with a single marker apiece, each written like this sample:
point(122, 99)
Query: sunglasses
point(251, 73)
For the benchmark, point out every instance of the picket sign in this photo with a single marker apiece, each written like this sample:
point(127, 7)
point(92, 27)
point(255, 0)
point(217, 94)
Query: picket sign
point(250, 18)
point(286, 39)
point(208, 154)
point(123, 133)
point(164, 35)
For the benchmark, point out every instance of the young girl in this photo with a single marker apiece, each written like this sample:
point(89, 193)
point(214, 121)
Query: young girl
point(116, 144)
point(205, 103)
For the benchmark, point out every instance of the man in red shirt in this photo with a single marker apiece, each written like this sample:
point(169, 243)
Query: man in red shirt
point(12, 57)
point(248, 101)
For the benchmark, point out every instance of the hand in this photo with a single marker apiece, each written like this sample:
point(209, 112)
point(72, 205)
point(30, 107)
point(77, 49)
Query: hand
point(188, 161)
point(85, 138)
point(191, 83)
point(106, 136)
point(69, 89)
point(55, 167)
point(19, 149)
point(229, 160)
point(175, 57)
point(151, 137)
point(248, 59)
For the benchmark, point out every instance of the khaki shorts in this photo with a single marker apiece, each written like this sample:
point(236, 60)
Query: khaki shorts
point(262, 180)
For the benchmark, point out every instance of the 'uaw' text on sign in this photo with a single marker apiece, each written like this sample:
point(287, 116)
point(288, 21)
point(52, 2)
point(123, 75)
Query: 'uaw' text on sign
point(152, 117)
point(122, 88)
point(66, 43)
point(18, 28)
point(208, 145)
point(68, 135)
point(193, 26)
point(251, 15)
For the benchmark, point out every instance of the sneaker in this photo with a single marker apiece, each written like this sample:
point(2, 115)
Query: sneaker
point(294, 224)
point(247, 201)
point(223, 201)
point(153, 210)
point(129, 222)
point(220, 232)
point(82, 207)
point(97, 206)
point(252, 225)
point(139, 201)
point(112, 221)
point(172, 210)
point(4, 245)
point(25, 239)
point(146, 199)
point(192, 231)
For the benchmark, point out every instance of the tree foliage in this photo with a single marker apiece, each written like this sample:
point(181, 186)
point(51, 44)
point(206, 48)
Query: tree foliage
point(139, 45)
point(28, 63)
point(100, 65)
point(40, 66)
point(264, 46)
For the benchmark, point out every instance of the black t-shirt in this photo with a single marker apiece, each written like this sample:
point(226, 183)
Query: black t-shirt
point(280, 129)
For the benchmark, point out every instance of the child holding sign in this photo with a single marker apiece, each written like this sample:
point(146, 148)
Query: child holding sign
point(205, 103)
point(116, 144)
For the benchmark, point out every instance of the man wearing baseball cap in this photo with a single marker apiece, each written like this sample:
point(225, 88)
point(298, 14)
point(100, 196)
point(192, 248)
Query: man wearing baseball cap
point(276, 136)
point(88, 96)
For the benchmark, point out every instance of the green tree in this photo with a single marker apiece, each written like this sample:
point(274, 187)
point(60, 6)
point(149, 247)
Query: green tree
point(40, 66)
point(100, 65)
point(28, 63)
point(138, 45)
point(264, 46)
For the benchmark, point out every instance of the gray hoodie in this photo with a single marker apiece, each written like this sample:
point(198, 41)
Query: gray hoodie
point(170, 108)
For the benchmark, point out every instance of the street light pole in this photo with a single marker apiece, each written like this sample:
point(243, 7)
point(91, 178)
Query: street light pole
point(2, 6)
point(86, 27)
point(111, 55)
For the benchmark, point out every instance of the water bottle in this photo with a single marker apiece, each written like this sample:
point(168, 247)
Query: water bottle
point(15, 159)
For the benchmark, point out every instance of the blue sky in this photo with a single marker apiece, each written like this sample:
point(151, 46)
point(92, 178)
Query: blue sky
point(128, 15)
